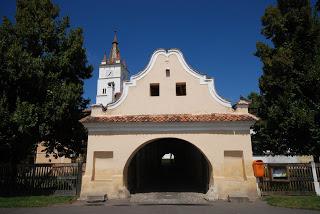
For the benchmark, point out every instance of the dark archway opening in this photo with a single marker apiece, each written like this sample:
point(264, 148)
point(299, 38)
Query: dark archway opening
point(168, 165)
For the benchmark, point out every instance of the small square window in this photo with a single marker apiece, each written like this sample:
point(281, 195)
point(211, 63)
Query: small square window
point(167, 72)
point(154, 89)
point(181, 89)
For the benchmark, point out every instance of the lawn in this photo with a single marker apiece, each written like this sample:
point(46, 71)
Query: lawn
point(34, 201)
point(301, 202)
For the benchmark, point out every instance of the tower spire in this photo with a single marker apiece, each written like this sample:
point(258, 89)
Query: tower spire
point(104, 60)
point(115, 38)
point(112, 73)
point(115, 52)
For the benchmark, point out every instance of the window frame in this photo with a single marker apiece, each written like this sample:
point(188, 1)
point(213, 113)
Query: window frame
point(154, 86)
point(168, 73)
point(181, 87)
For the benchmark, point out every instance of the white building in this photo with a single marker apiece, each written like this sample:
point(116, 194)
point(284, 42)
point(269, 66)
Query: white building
point(167, 108)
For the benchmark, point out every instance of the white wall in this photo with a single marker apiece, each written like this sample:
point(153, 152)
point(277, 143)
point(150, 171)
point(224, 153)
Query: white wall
point(284, 159)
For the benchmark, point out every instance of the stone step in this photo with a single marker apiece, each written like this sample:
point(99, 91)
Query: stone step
point(238, 199)
point(96, 198)
point(168, 198)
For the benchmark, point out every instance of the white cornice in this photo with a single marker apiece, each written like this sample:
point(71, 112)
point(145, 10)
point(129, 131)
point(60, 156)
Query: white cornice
point(176, 127)
point(203, 80)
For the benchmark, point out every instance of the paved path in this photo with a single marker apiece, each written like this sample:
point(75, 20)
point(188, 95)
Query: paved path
point(114, 207)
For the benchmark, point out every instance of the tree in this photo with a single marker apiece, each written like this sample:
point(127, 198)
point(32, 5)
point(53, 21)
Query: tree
point(289, 100)
point(42, 68)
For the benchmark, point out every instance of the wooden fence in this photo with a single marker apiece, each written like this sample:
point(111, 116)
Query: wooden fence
point(40, 179)
point(297, 179)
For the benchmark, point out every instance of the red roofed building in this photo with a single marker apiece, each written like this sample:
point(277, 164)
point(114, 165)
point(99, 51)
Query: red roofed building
point(166, 130)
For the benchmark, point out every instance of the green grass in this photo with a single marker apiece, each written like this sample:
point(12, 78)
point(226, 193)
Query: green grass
point(301, 202)
point(34, 201)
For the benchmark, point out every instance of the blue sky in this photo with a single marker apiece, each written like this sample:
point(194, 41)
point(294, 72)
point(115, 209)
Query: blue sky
point(216, 37)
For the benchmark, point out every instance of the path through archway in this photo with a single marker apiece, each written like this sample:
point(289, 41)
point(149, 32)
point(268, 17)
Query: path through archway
point(168, 165)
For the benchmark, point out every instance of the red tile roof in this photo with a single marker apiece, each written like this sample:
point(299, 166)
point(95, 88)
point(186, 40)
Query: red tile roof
point(170, 118)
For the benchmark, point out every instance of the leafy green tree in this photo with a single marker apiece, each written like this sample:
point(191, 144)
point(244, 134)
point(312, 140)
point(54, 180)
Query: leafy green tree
point(42, 68)
point(289, 101)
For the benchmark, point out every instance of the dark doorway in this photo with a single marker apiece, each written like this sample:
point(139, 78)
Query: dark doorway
point(168, 165)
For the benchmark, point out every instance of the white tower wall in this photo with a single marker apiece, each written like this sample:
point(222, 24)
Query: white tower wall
point(110, 82)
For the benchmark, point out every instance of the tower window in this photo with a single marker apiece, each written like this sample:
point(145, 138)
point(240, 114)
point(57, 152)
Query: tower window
point(167, 72)
point(104, 91)
point(154, 89)
point(181, 89)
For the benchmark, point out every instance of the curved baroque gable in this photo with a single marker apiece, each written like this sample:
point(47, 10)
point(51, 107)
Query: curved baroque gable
point(203, 80)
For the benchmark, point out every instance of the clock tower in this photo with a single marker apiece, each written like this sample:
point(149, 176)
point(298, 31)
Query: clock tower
point(112, 72)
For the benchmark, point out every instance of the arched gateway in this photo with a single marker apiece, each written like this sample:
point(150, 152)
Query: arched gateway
point(166, 129)
point(167, 165)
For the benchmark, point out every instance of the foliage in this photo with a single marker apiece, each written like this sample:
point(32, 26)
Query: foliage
point(301, 202)
point(34, 201)
point(289, 100)
point(42, 68)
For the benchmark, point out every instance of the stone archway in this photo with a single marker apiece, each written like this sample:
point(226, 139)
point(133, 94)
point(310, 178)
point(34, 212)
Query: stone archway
point(150, 170)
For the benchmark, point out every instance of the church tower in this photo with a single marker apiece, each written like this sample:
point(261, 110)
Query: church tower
point(112, 72)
